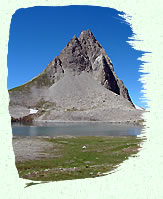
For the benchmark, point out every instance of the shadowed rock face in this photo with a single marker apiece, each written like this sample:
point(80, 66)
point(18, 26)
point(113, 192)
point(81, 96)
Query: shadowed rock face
point(83, 62)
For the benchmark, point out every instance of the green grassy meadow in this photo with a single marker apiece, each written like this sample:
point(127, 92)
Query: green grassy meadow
point(80, 157)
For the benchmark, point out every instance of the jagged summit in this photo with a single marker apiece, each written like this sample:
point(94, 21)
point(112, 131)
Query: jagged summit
point(82, 76)
point(73, 40)
point(87, 35)
point(88, 32)
point(86, 38)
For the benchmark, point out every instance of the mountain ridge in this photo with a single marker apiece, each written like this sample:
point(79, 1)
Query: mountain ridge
point(81, 72)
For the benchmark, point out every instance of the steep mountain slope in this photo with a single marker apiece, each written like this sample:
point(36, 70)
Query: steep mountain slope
point(79, 84)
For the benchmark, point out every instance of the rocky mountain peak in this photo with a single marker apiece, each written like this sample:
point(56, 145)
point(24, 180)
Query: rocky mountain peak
point(87, 38)
point(73, 41)
point(82, 69)
point(86, 34)
point(86, 54)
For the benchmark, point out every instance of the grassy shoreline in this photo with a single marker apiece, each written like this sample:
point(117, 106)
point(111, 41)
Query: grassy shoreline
point(79, 157)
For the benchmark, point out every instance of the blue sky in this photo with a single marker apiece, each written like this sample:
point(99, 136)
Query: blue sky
point(38, 34)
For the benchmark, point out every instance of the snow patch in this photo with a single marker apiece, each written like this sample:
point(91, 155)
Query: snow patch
point(32, 111)
point(138, 107)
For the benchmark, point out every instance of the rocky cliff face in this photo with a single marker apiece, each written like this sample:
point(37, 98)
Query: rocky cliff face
point(86, 54)
point(81, 78)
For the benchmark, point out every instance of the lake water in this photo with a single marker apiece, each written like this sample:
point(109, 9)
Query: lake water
point(77, 129)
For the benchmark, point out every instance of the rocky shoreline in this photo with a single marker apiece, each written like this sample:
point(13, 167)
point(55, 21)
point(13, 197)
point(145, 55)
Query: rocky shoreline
point(129, 117)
